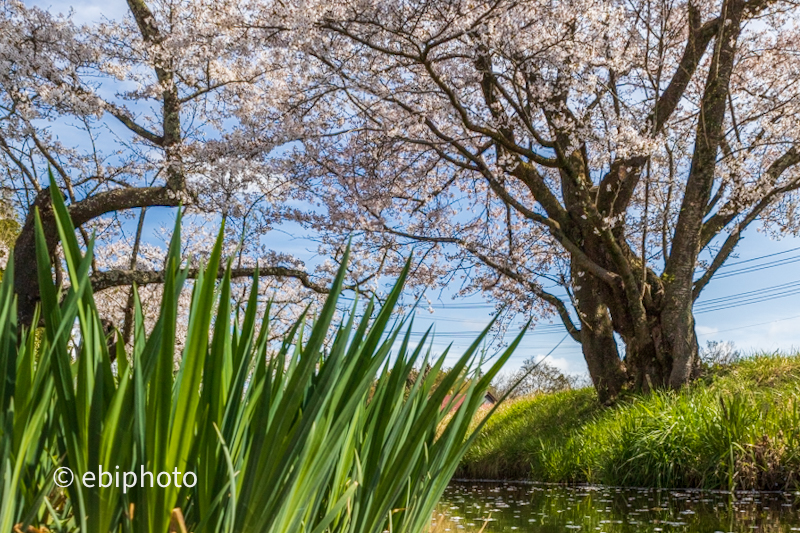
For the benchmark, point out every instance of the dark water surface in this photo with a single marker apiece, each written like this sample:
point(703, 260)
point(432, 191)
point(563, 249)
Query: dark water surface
point(466, 506)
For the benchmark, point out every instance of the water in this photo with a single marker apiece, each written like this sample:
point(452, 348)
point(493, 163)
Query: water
point(469, 506)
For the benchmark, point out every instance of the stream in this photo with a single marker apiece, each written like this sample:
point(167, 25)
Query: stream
point(492, 507)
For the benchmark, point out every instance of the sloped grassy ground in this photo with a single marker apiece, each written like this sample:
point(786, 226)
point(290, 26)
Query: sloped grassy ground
point(737, 427)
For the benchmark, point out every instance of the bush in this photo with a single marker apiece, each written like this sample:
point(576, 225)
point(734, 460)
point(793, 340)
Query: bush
point(294, 437)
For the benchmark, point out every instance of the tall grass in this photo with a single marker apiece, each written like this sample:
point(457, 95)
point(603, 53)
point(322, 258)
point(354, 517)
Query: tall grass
point(738, 429)
point(301, 437)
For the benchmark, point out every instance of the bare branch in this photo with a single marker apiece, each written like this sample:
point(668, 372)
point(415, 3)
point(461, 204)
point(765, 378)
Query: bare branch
point(107, 279)
point(787, 160)
point(129, 123)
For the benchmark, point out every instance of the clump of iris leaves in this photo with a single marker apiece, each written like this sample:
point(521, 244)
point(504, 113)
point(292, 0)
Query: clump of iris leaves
point(295, 436)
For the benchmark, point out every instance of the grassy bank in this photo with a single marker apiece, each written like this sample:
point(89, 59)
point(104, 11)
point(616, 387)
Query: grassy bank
point(737, 427)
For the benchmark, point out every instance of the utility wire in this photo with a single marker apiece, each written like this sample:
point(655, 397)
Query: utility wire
point(772, 288)
point(722, 303)
point(765, 294)
point(735, 263)
point(748, 326)
point(758, 268)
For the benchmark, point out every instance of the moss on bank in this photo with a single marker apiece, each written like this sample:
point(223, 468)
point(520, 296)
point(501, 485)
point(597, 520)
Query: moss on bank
point(737, 427)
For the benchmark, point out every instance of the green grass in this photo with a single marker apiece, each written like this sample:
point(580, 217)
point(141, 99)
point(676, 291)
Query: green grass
point(739, 427)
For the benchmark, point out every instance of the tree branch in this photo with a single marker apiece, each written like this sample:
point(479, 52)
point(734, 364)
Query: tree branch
point(726, 214)
point(709, 132)
point(124, 198)
point(790, 158)
point(129, 123)
point(552, 299)
point(108, 279)
point(699, 38)
point(26, 282)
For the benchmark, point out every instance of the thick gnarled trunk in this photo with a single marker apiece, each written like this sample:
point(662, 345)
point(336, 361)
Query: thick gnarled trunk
point(664, 356)
point(668, 359)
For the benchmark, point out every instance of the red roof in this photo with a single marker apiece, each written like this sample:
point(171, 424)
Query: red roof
point(488, 397)
point(456, 404)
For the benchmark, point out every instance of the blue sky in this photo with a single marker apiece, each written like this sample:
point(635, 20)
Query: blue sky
point(728, 310)
point(773, 324)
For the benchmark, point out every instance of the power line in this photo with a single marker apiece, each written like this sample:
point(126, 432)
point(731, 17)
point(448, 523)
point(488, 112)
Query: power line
point(705, 306)
point(722, 303)
point(782, 286)
point(758, 268)
point(749, 326)
point(749, 297)
point(735, 263)
point(748, 302)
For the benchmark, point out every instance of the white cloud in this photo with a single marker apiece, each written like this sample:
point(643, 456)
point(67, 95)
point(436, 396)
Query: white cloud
point(560, 363)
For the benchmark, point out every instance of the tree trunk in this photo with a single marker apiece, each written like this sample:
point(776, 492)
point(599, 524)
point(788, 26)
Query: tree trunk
point(682, 341)
point(597, 340)
point(26, 280)
point(668, 360)
point(650, 365)
point(666, 357)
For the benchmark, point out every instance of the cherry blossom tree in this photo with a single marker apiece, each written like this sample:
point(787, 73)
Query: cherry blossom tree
point(596, 159)
point(174, 103)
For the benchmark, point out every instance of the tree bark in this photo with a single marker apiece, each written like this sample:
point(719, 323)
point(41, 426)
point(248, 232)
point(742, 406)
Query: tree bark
point(26, 279)
point(107, 279)
point(597, 339)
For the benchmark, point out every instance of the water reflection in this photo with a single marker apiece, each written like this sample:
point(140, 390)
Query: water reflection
point(470, 506)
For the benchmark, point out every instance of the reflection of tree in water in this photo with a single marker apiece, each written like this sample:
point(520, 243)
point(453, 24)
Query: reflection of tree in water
point(550, 509)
